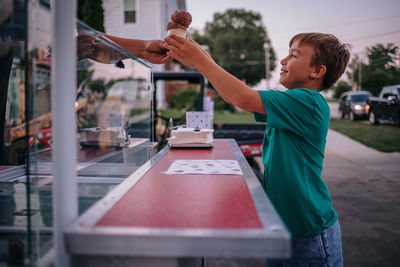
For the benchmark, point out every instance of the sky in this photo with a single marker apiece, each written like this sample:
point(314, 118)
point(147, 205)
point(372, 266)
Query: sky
point(360, 23)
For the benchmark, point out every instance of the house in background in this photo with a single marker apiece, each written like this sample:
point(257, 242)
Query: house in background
point(143, 19)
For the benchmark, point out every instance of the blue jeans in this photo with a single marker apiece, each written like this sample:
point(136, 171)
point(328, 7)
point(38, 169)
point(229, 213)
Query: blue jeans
point(324, 250)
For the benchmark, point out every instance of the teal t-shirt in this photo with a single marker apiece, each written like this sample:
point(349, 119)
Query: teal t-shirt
point(297, 123)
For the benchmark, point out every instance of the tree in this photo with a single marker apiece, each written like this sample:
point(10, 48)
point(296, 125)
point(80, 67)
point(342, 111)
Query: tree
point(380, 70)
point(235, 39)
point(340, 88)
point(221, 105)
point(91, 12)
point(185, 98)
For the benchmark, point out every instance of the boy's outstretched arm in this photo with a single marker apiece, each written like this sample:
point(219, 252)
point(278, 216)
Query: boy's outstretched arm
point(233, 90)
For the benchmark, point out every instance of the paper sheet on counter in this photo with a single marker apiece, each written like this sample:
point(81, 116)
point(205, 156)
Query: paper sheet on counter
point(205, 167)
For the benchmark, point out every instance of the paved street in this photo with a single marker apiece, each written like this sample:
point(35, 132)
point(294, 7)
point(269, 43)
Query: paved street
point(368, 205)
point(365, 189)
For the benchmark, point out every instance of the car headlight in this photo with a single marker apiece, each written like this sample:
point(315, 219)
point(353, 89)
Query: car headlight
point(358, 107)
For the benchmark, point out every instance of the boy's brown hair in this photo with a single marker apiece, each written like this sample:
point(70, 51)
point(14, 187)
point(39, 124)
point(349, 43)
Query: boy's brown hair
point(328, 51)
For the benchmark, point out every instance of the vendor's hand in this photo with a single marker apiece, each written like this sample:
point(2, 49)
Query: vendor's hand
point(89, 46)
point(186, 51)
point(154, 52)
point(85, 44)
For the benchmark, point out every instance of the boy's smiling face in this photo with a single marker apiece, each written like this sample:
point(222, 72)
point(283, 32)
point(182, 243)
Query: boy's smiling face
point(297, 70)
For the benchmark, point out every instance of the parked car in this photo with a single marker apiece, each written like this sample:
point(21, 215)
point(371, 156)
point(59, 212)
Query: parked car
point(43, 138)
point(386, 107)
point(353, 104)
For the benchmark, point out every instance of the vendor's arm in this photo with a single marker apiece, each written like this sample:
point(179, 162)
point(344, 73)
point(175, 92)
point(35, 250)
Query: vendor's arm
point(229, 87)
point(151, 50)
point(90, 46)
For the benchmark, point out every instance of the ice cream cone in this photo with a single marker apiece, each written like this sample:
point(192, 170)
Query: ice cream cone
point(177, 32)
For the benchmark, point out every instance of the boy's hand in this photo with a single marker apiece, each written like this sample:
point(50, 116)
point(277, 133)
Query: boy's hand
point(186, 51)
point(154, 52)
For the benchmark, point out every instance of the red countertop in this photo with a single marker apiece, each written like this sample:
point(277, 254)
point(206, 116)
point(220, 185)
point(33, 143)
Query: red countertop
point(187, 201)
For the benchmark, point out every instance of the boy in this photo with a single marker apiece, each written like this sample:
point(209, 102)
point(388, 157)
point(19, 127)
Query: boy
point(297, 123)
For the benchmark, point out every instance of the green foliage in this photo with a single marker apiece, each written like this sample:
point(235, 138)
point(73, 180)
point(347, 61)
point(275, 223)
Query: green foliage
point(91, 12)
point(87, 121)
point(84, 76)
point(243, 117)
point(97, 86)
point(80, 9)
point(236, 39)
point(185, 98)
point(340, 88)
point(176, 114)
point(221, 105)
point(381, 69)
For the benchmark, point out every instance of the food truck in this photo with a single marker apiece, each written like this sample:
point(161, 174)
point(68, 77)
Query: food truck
point(131, 207)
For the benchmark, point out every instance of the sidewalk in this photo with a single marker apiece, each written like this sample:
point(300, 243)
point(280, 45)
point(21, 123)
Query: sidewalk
point(382, 164)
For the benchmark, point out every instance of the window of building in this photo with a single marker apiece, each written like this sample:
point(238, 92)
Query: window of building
point(130, 11)
point(45, 3)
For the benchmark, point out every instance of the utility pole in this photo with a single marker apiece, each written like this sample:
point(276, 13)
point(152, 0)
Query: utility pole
point(353, 82)
point(359, 75)
point(266, 50)
point(398, 63)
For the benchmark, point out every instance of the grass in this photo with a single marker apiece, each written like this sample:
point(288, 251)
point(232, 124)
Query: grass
point(385, 138)
point(135, 112)
point(243, 117)
point(329, 100)
point(219, 116)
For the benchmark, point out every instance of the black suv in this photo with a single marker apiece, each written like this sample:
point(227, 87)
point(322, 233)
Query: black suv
point(352, 104)
point(386, 107)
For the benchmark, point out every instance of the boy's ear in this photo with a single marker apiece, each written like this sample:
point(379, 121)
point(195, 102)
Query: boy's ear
point(318, 72)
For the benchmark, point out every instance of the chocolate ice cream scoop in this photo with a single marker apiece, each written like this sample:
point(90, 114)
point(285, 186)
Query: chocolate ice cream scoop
point(180, 20)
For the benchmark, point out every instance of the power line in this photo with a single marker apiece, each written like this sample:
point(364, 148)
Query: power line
point(366, 53)
point(363, 20)
point(374, 35)
point(343, 23)
point(344, 41)
point(377, 63)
